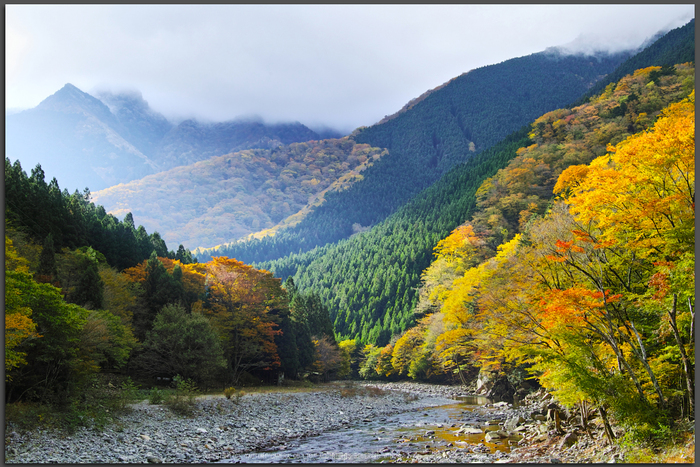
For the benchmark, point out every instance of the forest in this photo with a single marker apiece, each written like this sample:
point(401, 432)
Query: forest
point(226, 197)
point(559, 251)
point(594, 297)
point(370, 281)
point(75, 315)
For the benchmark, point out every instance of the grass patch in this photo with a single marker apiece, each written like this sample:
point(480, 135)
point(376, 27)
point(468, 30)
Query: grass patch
point(182, 401)
point(681, 450)
point(348, 389)
point(96, 406)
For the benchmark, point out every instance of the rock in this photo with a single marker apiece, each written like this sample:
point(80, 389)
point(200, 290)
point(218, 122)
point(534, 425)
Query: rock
point(153, 460)
point(469, 430)
point(493, 435)
point(513, 422)
point(484, 381)
point(568, 440)
point(201, 430)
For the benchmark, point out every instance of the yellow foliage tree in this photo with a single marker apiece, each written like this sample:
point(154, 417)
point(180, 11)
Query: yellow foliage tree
point(19, 326)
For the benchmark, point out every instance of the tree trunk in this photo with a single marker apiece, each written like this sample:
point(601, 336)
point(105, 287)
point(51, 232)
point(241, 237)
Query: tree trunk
point(584, 416)
point(690, 386)
point(642, 356)
point(608, 430)
point(692, 321)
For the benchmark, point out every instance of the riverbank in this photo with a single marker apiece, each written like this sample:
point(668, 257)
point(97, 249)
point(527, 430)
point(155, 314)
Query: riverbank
point(218, 430)
point(222, 431)
point(538, 430)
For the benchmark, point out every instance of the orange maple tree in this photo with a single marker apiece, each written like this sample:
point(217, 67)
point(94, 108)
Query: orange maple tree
point(240, 300)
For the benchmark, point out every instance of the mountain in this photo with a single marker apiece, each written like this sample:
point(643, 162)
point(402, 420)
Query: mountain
point(484, 106)
point(370, 281)
point(234, 195)
point(97, 143)
point(192, 141)
point(141, 125)
point(76, 139)
point(430, 135)
point(676, 46)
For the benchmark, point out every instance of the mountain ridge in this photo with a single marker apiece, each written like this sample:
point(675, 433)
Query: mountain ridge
point(116, 138)
point(441, 128)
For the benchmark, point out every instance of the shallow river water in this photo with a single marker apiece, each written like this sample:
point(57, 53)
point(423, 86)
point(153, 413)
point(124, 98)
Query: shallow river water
point(387, 438)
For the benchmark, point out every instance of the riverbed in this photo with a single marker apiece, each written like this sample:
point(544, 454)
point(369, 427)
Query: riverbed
point(341, 423)
point(441, 429)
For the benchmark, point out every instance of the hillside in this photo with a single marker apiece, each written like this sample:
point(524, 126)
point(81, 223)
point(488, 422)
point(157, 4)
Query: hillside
point(676, 46)
point(232, 196)
point(77, 140)
point(370, 281)
point(192, 141)
point(141, 125)
point(97, 143)
point(445, 127)
point(38, 212)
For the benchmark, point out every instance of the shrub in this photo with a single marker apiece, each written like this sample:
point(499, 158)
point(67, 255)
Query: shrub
point(129, 394)
point(182, 401)
point(156, 396)
point(234, 394)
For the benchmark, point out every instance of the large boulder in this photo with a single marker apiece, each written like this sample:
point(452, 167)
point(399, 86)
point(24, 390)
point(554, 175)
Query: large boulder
point(485, 381)
point(501, 390)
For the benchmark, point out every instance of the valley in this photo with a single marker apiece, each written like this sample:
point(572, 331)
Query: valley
point(523, 232)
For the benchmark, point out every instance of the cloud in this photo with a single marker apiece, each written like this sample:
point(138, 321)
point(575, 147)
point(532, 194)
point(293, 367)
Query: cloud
point(337, 65)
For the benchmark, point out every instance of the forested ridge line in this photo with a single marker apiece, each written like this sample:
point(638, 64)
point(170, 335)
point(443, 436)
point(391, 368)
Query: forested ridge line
point(460, 119)
point(234, 195)
point(370, 281)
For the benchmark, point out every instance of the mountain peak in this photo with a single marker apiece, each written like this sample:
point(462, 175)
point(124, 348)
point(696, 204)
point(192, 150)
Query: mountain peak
point(70, 99)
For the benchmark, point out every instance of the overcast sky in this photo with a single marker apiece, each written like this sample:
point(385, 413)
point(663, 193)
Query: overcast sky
point(339, 65)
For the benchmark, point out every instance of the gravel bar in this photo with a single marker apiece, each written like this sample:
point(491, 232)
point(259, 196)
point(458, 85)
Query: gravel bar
point(220, 428)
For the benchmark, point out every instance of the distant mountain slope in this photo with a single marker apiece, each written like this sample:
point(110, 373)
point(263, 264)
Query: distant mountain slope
point(96, 143)
point(231, 196)
point(433, 133)
point(142, 126)
point(192, 141)
point(77, 140)
point(676, 46)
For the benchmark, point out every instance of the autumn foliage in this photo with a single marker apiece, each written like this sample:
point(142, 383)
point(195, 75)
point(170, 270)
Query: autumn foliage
point(593, 291)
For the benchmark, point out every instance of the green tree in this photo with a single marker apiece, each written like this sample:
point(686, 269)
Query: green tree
point(106, 340)
point(159, 289)
point(184, 344)
point(90, 291)
point(47, 261)
point(54, 368)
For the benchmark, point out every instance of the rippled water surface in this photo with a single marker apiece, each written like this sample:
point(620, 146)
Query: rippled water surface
point(384, 438)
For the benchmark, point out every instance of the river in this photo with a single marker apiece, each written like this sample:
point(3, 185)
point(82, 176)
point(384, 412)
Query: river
point(395, 438)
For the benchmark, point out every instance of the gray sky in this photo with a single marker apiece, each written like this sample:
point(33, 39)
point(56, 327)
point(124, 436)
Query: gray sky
point(339, 65)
